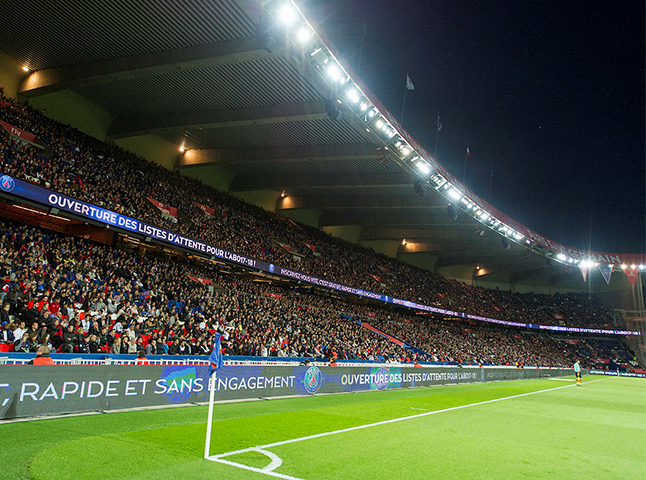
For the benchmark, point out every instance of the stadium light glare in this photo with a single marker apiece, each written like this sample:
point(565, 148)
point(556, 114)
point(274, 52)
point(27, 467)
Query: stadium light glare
point(372, 113)
point(333, 71)
point(287, 14)
point(406, 150)
point(182, 148)
point(404, 242)
point(633, 266)
point(641, 267)
point(379, 123)
point(363, 106)
point(623, 266)
point(423, 167)
point(561, 257)
point(25, 68)
point(353, 95)
point(304, 34)
point(454, 194)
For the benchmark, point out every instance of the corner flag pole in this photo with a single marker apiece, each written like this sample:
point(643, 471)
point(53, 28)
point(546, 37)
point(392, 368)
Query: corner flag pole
point(209, 421)
point(216, 363)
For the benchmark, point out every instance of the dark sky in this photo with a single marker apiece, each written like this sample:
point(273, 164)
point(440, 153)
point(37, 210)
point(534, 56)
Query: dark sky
point(548, 94)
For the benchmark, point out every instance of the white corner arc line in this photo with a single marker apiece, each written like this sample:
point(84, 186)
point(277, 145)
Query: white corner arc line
point(276, 461)
point(220, 457)
point(253, 469)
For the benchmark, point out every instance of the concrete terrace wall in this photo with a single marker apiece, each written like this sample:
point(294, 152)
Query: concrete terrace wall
point(11, 74)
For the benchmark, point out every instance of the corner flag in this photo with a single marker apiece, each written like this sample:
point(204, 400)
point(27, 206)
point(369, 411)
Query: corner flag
point(216, 355)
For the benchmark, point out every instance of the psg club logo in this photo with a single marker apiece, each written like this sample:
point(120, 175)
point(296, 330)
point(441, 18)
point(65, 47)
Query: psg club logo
point(272, 268)
point(7, 183)
point(312, 380)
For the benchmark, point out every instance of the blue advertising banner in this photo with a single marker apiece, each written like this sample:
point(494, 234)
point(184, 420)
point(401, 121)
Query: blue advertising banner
point(20, 188)
point(47, 390)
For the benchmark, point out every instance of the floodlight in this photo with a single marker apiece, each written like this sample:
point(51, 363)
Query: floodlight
point(353, 95)
point(304, 34)
point(423, 167)
point(454, 194)
point(333, 71)
point(287, 14)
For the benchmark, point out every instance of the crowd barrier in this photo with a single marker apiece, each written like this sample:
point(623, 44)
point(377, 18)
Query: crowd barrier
point(28, 391)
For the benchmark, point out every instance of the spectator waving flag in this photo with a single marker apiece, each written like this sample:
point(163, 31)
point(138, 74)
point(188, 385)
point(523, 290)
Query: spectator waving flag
point(216, 356)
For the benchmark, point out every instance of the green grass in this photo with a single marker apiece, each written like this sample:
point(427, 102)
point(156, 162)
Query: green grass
point(596, 431)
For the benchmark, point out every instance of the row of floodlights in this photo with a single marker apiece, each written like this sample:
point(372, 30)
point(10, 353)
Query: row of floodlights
point(482, 215)
point(302, 33)
point(297, 27)
point(589, 263)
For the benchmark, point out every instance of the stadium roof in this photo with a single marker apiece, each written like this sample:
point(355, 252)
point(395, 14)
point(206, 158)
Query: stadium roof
point(254, 85)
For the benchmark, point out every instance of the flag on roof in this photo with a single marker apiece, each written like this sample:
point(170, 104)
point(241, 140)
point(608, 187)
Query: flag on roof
point(606, 271)
point(409, 83)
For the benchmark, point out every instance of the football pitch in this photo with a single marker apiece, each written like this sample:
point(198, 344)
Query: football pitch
point(543, 428)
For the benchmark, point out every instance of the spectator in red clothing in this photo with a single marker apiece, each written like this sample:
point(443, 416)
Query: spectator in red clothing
point(141, 358)
point(42, 357)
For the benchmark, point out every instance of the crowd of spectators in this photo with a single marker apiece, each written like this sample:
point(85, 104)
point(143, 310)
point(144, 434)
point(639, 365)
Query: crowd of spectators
point(83, 167)
point(72, 295)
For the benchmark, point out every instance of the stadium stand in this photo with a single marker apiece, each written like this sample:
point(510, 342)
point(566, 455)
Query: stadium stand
point(82, 167)
point(77, 296)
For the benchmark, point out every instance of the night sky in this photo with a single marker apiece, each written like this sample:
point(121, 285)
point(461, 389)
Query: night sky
point(550, 95)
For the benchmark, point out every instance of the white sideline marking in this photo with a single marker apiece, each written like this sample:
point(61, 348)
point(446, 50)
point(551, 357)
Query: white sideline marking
point(262, 448)
point(423, 409)
point(563, 379)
